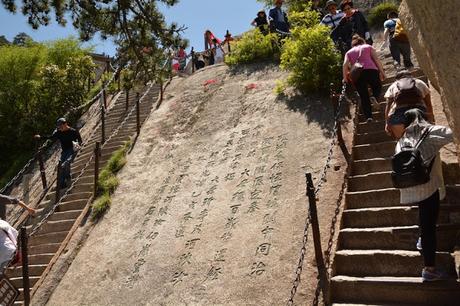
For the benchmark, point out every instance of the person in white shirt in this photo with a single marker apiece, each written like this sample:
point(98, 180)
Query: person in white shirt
point(332, 19)
point(8, 243)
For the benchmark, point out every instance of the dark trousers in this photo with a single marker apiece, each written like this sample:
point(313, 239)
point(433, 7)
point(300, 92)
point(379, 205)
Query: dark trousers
point(398, 48)
point(369, 77)
point(65, 161)
point(428, 215)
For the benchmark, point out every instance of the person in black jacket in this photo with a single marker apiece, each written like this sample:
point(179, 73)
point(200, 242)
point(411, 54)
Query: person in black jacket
point(68, 136)
point(261, 22)
point(353, 23)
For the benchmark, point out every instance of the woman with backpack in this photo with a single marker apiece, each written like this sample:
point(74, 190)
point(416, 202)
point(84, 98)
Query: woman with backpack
point(363, 58)
point(399, 42)
point(404, 94)
point(423, 182)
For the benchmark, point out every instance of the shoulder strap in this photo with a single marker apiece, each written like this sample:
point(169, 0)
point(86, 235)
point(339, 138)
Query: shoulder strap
point(422, 138)
point(360, 53)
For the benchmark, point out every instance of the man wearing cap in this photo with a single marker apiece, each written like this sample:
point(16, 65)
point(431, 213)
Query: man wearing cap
point(278, 18)
point(332, 19)
point(67, 136)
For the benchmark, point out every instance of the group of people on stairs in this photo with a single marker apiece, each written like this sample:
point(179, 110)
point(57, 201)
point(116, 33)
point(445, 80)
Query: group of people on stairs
point(409, 119)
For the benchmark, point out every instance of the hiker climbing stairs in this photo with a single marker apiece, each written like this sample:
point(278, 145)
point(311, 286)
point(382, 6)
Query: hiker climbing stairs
point(376, 262)
point(50, 239)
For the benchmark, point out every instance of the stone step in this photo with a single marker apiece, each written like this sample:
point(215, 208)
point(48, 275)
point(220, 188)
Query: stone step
point(70, 205)
point(376, 115)
point(65, 215)
point(393, 290)
point(372, 137)
point(378, 150)
point(400, 237)
point(77, 196)
point(54, 237)
point(380, 217)
point(40, 259)
point(55, 226)
point(372, 181)
point(366, 166)
point(371, 127)
point(47, 248)
point(361, 263)
point(372, 198)
point(17, 281)
point(34, 270)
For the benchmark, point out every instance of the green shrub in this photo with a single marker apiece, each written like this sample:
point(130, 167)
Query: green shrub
point(280, 87)
point(100, 206)
point(378, 14)
point(312, 59)
point(108, 181)
point(253, 47)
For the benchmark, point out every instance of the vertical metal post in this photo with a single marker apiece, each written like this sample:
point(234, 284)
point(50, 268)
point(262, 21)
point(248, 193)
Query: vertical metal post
point(58, 182)
point(104, 94)
point(192, 52)
point(102, 124)
point(335, 104)
point(118, 80)
point(323, 278)
point(127, 100)
point(138, 115)
point(97, 153)
point(25, 266)
point(89, 83)
point(42, 169)
point(227, 38)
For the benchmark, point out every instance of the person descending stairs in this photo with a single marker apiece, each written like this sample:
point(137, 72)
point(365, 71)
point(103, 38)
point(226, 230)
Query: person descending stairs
point(377, 262)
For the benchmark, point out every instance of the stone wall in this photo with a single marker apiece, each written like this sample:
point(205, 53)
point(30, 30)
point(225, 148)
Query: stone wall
point(433, 31)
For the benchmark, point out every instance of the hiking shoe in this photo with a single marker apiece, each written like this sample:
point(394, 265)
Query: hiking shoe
point(432, 276)
point(369, 120)
point(419, 244)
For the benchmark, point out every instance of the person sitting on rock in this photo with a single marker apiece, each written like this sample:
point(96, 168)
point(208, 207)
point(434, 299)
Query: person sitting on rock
point(261, 22)
point(395, 35)
point(428, 195)
point(404, 94)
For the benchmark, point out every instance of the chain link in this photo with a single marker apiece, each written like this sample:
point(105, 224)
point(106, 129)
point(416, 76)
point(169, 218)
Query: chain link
point(318, 187)
point(74, 182)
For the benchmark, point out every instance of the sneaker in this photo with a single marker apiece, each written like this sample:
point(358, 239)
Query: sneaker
point(432, 276)
point(375, 103)
point(369, 120)
point(419, 244)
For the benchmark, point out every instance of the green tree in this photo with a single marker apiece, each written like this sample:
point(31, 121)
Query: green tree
point(22, 39)
point(135, 25)
point(3, 41)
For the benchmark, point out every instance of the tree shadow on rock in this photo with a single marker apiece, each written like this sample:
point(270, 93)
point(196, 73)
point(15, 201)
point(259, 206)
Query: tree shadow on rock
point(316, 108)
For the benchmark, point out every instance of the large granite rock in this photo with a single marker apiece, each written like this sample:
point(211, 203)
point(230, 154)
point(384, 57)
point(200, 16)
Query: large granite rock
point(433, 31)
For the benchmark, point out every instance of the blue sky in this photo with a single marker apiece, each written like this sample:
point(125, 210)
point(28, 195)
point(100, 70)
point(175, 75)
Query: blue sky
point(197, 15)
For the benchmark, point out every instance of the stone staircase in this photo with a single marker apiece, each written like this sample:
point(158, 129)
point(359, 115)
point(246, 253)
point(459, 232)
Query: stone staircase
point(50, 240)
point(376, 262)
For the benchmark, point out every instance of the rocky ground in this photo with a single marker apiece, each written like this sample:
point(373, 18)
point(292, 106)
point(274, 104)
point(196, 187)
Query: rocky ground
point(211, 206)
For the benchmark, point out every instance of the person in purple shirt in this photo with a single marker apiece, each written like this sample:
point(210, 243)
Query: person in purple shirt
point(371, 76)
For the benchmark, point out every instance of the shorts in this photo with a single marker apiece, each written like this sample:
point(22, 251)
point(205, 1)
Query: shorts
point(398, 116)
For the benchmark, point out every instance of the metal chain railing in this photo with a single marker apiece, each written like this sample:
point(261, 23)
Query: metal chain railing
point(318, 188)
point(45, 145)
point(74, 181)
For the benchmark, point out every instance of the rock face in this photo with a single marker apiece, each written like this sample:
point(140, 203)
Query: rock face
point(433, 32)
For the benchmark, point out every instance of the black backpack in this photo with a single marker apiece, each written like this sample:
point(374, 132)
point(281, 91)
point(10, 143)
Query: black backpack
point(408, 167)
point(408, 93)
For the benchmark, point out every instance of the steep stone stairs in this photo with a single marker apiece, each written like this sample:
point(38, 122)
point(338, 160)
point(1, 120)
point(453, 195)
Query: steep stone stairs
point(376, 262)
point(47, 243)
